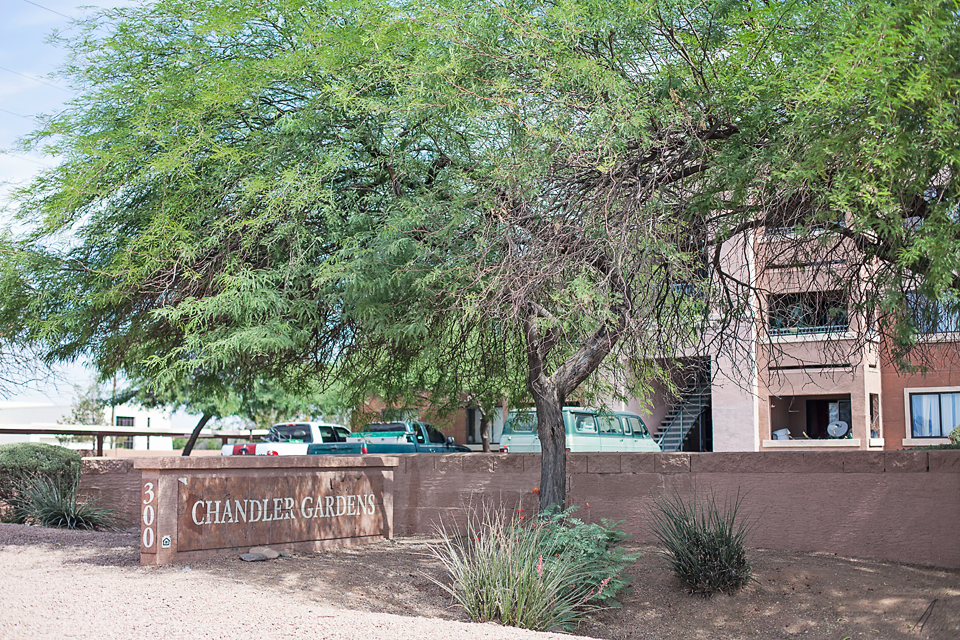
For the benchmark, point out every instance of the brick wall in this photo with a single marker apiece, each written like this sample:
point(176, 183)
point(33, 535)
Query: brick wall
point(115, 484)
point(902, 506)
point(891, 505)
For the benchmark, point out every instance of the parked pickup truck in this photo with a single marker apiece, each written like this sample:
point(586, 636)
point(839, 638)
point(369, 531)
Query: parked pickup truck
point(300, 438)
point(406, 437)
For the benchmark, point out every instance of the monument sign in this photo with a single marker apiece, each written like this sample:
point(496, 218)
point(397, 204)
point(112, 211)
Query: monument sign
point(194, 508)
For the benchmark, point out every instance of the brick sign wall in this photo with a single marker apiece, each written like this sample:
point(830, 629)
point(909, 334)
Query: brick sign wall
point(192, 508)
point(893, 505)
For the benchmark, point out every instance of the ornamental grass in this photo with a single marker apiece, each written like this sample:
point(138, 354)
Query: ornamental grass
point(542, 573)
point(703, 541)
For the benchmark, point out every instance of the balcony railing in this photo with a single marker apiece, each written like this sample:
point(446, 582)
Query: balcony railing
point(803, 331)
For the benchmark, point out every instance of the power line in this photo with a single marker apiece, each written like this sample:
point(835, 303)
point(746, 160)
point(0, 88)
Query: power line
point(49, 84)
point(48, 9)
point(19, 115)
point(14, 155)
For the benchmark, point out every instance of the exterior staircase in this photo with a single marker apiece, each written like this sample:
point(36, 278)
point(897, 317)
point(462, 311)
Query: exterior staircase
point(683, 415)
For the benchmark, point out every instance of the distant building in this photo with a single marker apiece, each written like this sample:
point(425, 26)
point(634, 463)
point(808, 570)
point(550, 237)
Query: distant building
point(125, 415)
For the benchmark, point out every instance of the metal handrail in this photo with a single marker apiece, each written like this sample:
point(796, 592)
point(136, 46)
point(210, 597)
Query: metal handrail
point(802, 331)
point(674, 426)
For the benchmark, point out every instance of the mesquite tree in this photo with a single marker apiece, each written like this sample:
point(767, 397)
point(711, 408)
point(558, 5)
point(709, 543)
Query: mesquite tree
point(534, 199)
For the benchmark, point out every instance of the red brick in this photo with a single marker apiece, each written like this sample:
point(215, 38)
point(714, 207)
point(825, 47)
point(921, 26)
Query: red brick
point(863, 461)
point(672, 462)
point(905, 461)
point(944, 460)
point(479, 462)
point(603, 463)
point(577, 463)
point(822, 462)
point(637, 463)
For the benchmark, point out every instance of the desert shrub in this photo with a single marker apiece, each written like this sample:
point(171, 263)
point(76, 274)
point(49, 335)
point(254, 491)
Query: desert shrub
point(49, 503)
point(703, 541)
point(22, 462)
point(596, 548)
point(543, 574)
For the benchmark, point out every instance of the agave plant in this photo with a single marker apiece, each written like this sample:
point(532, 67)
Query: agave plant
point(56, 504)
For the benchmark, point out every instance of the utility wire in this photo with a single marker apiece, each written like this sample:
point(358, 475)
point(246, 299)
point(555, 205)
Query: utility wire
point(49, 84)
point(19, 115)
point(14, 155)
point(48, 9)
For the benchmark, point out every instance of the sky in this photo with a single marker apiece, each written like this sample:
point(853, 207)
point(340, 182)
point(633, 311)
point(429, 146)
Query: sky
point(27, 61)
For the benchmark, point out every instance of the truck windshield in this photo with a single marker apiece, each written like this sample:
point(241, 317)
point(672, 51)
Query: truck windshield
point(434, 434)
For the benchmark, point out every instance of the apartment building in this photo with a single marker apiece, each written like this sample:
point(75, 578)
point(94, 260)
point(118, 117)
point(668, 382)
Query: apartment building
point(809, 374)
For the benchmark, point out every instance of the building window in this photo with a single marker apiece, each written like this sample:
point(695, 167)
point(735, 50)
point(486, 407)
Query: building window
point(933, 316)
point(934, 415)
point(807, 312)
point(123, 421)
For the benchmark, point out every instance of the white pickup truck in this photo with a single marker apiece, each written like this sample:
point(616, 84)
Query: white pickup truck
point(299, 439)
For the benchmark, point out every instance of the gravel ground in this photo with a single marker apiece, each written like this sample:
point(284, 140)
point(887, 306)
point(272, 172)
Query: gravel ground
point(61, 584)
point(58, 584)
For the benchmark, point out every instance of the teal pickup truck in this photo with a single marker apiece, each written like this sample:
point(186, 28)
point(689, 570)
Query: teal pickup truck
point(406, 437)
point(311, 438)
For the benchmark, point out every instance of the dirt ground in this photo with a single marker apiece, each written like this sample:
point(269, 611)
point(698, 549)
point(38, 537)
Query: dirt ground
point(815, 596)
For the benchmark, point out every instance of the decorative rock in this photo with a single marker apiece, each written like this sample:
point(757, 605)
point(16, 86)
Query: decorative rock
point(253, 557)
point(266, 551)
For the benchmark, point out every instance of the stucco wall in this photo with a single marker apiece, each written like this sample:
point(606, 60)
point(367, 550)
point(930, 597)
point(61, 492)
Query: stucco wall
point(888, 505)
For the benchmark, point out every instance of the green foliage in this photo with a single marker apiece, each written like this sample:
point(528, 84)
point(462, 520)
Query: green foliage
point(50, 503)
point(703, 541)
point(539, 575)
point(24, 462)
point(954, 436)
point(87, 408)
point(465, 198)
point(202, 443)
point(594, 545)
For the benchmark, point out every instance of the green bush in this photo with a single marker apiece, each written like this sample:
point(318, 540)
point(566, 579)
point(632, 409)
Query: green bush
point(955, 436)
point(595, 546)
point(704, 542)
point(539, 575)
point(23, 461)
point(53, 504)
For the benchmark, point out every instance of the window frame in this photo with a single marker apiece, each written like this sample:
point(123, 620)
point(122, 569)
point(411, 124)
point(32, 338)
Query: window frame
point(909, 440)
point(818, 304)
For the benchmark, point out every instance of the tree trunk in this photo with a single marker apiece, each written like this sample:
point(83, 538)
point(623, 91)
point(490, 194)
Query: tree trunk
point(551, 392)
point(553, 445)
point(196, 433)
point(484, 431)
